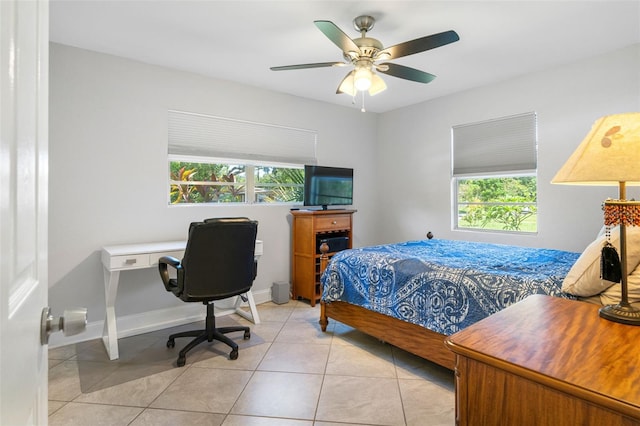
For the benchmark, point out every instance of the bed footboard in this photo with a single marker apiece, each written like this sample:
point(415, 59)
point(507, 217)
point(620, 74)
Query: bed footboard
point(409, 337)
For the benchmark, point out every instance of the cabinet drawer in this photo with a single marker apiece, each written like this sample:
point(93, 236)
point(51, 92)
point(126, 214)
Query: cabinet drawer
point(153, 257)
point(330, 222)
point(132, 261)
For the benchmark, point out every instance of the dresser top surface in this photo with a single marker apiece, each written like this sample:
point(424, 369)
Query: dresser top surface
point(303, 212)
point(563, 340)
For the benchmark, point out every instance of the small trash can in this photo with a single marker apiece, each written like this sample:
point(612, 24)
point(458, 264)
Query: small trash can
point(280, 292)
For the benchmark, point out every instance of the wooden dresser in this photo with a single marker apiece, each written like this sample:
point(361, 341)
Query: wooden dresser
point(547, 361)
point(309, 229)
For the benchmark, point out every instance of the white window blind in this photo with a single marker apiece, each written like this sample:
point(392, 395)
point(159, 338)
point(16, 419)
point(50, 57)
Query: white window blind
point(201, 135)
point(503, 145)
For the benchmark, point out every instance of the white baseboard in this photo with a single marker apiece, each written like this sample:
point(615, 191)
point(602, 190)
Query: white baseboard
point(146, 322)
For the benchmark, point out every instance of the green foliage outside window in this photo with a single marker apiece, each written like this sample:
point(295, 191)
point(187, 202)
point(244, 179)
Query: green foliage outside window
point(206, 183)
point(192, 183)
point(278, 184)
point(506, 203)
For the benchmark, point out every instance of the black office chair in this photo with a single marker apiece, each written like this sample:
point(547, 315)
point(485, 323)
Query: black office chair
point(218, 263)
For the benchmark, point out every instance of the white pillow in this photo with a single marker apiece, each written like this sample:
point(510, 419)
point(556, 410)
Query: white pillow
point(584, 279)
point(613, 294)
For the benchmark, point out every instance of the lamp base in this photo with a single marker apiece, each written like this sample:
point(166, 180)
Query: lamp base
point(622, 314)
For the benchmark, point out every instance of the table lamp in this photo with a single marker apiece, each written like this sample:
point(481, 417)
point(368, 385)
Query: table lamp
point(610, 155)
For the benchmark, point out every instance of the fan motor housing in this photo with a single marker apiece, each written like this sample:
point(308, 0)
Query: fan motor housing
point(368, 46)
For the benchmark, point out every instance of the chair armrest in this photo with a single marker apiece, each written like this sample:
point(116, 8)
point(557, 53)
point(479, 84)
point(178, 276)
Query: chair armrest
point(170, 260)
point(163, 262)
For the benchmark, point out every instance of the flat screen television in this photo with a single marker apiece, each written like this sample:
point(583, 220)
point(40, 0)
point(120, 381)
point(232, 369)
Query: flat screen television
point(328, 186)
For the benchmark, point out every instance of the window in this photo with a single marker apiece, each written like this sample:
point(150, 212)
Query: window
point(219, 160)
point(202, 182)
point(278, 184)
point(494, 174)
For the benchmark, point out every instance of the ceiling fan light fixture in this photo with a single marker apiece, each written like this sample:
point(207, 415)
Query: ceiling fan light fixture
point(362, 79)
point(377, 85)
point(347, 85)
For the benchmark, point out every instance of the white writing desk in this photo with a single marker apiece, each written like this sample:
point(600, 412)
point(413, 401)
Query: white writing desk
point(140, 256)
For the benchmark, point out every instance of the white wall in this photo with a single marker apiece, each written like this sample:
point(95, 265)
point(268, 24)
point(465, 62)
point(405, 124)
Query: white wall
point(414, 150)
point(108, 136)
point(108, 171)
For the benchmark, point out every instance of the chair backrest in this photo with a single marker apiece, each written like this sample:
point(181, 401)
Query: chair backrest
point(219, 261)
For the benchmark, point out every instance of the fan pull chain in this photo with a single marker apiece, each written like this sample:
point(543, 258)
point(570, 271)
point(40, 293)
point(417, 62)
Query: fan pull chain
point(362, 109)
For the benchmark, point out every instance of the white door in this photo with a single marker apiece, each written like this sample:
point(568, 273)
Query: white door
point(24, 74)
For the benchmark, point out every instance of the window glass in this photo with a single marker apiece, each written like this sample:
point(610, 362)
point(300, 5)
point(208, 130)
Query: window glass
point(198, 182)
point(497, 203)
point(206, 183)
point(278, 184)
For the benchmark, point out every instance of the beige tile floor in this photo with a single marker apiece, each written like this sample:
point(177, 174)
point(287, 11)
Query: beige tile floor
point(289, 373)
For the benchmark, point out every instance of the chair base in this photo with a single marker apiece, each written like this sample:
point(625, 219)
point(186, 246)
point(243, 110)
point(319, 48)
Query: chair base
point(209, 334)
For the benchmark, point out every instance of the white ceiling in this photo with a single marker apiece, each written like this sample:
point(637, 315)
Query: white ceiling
point(239, 40)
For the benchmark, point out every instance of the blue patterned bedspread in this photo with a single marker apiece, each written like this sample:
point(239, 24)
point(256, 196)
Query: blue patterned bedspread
point(444, 285)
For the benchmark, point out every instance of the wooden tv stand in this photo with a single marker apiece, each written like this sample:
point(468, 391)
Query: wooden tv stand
point(547, 361)
point(309, 227)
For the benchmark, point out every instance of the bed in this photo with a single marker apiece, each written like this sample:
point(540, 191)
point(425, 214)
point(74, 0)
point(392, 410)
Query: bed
point(413, 294)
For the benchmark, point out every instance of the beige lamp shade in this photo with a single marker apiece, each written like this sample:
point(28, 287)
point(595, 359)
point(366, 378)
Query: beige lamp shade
point(610, 154)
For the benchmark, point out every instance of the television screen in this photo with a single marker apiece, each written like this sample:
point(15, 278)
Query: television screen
point(328, 186)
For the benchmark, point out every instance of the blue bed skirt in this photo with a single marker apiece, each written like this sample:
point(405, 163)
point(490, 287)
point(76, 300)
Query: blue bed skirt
point(443, 285)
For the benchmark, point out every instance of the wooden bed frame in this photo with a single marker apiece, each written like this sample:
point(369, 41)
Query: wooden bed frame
point(412, 338)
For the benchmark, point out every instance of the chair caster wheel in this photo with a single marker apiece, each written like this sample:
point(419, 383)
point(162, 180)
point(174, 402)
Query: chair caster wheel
point(181, 361)
point(233, 354)
point(171, 343)
point(247, 335)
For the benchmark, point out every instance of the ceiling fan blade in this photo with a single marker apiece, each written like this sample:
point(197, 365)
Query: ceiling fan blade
point(303, 66)
point(406, 73)
point(337, 36)
point(421, 44)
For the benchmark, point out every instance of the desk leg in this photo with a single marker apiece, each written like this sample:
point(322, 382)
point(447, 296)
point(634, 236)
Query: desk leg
point(110, 332)
point(254, 317)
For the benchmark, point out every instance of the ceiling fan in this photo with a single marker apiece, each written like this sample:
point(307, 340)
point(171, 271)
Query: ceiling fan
point(366, 53)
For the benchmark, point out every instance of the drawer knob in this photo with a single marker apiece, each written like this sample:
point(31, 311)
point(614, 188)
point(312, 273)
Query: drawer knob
point(334, 222)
